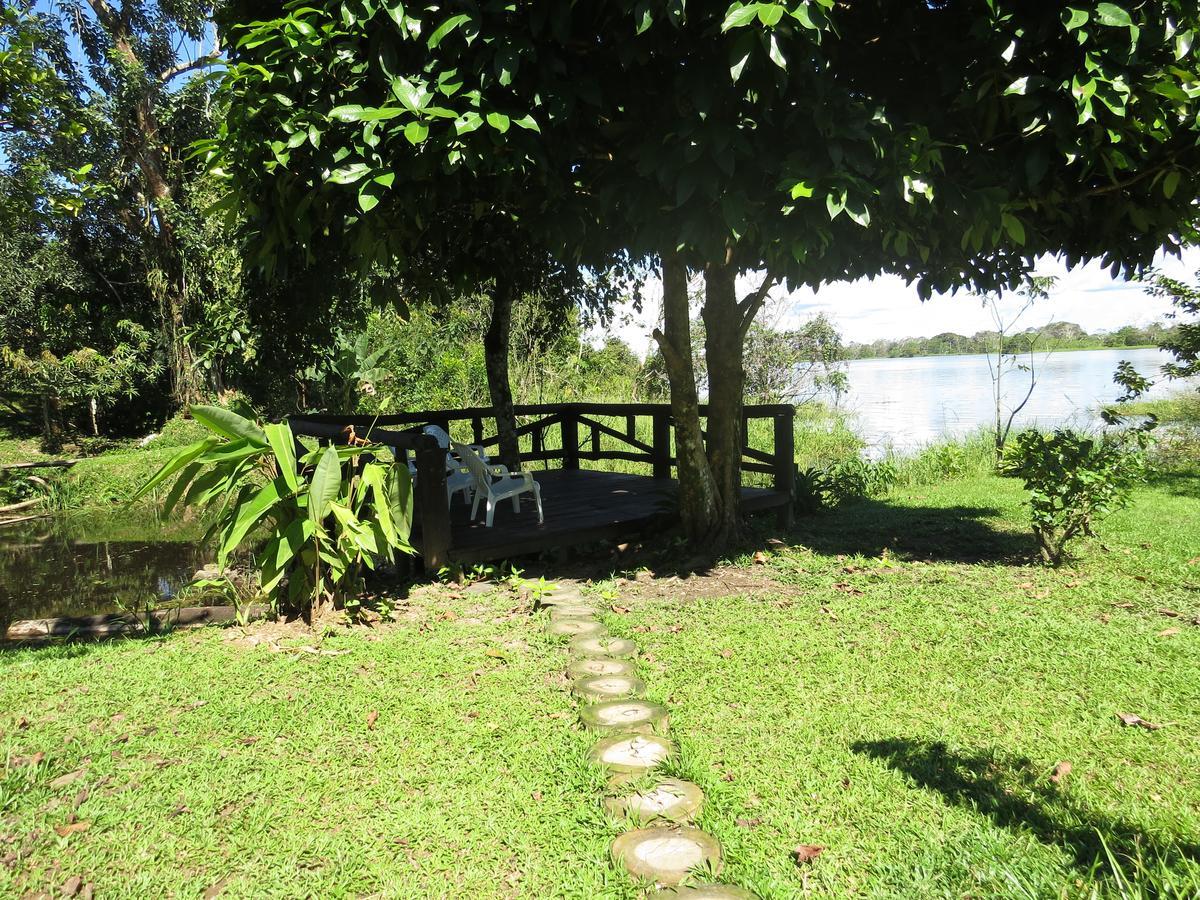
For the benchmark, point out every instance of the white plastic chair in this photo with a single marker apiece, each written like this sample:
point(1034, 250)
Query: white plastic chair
point(497, 483)
point(457, 477)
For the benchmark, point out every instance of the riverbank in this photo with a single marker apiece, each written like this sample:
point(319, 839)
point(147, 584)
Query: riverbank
point(105, 478)
point(894, 682)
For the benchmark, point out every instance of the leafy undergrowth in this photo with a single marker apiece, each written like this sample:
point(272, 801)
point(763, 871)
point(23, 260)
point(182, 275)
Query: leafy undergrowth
point(936, 720)
point(942, 718)
point(433, 758)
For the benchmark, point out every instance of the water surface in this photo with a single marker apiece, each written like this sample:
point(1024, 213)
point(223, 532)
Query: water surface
point(84, 565)
point(908, 403)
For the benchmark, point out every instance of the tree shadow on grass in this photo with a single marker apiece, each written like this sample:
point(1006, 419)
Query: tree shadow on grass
point(1181, 484)
point(935, 533)
point(1013, 793)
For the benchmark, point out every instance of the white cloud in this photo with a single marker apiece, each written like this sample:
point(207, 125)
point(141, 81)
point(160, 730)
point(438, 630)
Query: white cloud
point(886, 307)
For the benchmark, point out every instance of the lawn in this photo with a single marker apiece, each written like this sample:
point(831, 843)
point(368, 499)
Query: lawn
point(900, 686)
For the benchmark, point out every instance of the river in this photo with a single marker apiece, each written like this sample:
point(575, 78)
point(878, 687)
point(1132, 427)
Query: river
point(908, 403)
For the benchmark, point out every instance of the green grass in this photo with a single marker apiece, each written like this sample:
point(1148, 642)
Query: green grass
point(1182, 407)
point(906, 709)
point(471, 783)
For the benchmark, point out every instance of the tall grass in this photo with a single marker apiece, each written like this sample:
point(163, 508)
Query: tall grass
point(953, 458)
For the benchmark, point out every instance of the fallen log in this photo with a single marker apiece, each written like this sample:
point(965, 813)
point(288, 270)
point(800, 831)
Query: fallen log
point(116, 624)
point(20, 519)
point(41, 464)
point(24, 504)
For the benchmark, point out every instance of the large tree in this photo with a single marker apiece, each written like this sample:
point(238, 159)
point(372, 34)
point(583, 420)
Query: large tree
point(950, 143)
point(108, 80)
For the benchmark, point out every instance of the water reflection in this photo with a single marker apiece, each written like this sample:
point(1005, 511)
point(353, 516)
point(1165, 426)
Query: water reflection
point(84, 566)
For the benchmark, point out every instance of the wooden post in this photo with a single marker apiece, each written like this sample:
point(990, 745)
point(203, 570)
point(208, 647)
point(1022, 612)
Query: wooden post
point(661, 441)
point(570, 440)
point(432, 504)
point(785, 462)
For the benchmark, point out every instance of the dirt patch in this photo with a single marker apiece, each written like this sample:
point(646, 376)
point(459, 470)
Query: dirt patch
point(722, 581)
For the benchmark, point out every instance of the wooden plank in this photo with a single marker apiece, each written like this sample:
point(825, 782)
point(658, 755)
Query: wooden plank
point(612, 432)
point(111, 625)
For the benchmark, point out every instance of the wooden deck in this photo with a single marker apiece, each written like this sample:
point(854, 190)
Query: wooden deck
point(580, 506)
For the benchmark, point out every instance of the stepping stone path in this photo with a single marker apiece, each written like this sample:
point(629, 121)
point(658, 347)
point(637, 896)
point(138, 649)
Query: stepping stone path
point(603, 675)
point(622, 648)
point(576, 627)
point(608, 687)
point(613, 716)
point(672, 800)
point(667, 855)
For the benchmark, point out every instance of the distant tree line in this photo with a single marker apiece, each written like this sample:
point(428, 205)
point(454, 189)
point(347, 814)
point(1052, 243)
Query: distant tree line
point(1054, 336)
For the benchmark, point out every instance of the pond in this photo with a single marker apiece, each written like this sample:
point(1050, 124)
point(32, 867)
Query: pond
point(85, 565)
point(908, 403)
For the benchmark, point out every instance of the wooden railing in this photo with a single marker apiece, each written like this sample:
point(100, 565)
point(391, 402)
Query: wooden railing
point(580, 434)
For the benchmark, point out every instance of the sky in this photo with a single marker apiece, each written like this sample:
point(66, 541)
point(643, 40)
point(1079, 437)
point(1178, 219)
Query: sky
point(886, 307)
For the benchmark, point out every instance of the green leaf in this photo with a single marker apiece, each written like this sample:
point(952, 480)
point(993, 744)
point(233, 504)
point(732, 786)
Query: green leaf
point(1014, 227)
point(739, 15)
point(859, 214)
point(801, 189)
point(445, 28)
point(835, 203)
point(416, 132)
point(770, 14)
point(776, 54)
point(285, 546)
point(229, 424)
point(1171, 183)
point(247, 515)
point(528, 122)
point(1111, 14)
point(401, 499)
point(1074, 18)
point(349, 174)
point(499, 121)
point(177, 462)
point(348, 113)
point(283, 444)
point(325, 486)
point(467, 123)
point(386, 179)
point(409, 94)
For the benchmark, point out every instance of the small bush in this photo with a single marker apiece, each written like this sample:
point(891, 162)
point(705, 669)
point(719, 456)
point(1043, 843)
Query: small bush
point(1074, 480)
point(843, 482)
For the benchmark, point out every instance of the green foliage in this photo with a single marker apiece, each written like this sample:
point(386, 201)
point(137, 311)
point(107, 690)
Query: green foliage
point(843, 482)
point(84, 376)
point(327, 513)
point(1055, 336)
point(1074, 480)
point(365, 121)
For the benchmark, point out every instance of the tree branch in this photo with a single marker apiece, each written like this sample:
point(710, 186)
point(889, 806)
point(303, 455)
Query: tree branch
point(200, 62)
point(750, 306)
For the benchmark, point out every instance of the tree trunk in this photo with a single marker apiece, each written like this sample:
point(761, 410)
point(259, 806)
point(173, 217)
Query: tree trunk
point(144, 145)
point(495, 355)
point(723, 354)
point(699, 502)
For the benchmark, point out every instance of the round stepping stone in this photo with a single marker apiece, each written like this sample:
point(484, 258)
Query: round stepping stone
point(576, 628)
point(561, 595)
point(600, 665)
point(625, 715)
point(631, 753)
point(603, 645)
point(571, 611)
point(666, 855)
point(670, 799)
point(609, 687)
point(708, 892)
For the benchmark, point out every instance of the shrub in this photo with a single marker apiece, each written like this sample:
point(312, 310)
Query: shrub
point(327, 513)
point(1074, 480)
point(842, 483)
